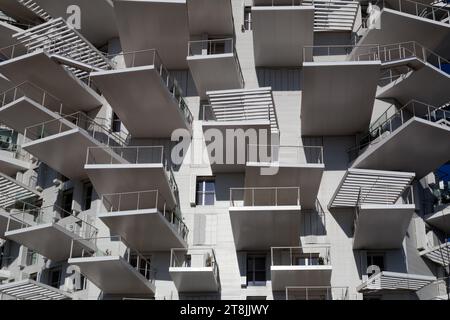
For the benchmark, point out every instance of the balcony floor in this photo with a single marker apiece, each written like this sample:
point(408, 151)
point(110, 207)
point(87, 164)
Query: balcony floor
point(136, 95)
point(50, 240)
point(40, 69)
point(113, 275)
point(423, 154)
point(299, 276)
point(144, 230)
point(194, 279)
point(258, 228)
point(382, 226)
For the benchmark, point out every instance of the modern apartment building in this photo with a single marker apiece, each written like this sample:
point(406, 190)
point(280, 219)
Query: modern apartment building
point(224, 149)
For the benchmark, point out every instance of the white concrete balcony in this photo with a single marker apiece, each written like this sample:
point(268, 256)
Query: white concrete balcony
point(32, 290)
point(6, 32)
point(12, 158)
point(386, 281)
point(439, 254)
point(50, 230)
point(317, 293)
point(194, 270)
point(210, 17)
point(280, 30)
point(265, 217)
point(141, 86)
point(138, 168)
point(356, 75)
point(145, 220)
point(115, 268)
point(401, 20)
point(412, 70)
point(382, 226)
point(62, 142)
point(389, 146)
point(286, 166)
point(300, 266)
point(24, 11)
point(440, 218)
point(163, 25)
point(437, 290)
point(214, 65)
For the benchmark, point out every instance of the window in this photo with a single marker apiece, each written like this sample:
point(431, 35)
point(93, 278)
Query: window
point(115, 123)
point(206, 191)
point(32, 257)
point(33, 276)
point(256, 270)
point(66, 201)
point(247, 19)
point(88, 189)
point(54, 277)
point(376, 259)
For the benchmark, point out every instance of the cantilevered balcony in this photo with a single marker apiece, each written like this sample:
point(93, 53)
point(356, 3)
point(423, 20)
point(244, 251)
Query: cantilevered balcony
point(280, 30)
point(194, 270)
point(437, 290)
point(6, 32)
point(12, 190)
point(389, 145)
point(24, 11)
point(139, 168)
point(382, 225)
point(265, 217)
point(440, 218)
point(351, 83)
point(300, 266)
point(32, 290)
point(210, 17)
point(412, 70)
point(162, 25)
point(145, 220)
point(439, 254)
point(139, 87)
point(50, 231)
point(26, 104)
point(115, 268)
point(12, 157)
point(386, 281)
point(286, 166)
point(401, 20)
point(62, 142)
point(317, 293)
point(214, 65)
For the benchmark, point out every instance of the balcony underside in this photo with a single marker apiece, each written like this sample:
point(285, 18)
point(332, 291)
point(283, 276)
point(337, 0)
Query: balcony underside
point(351, 86)
point(392, 281)
point(439, 254)
point(113, 275)
point(397, 27)
point(301, 276)
point(43, 71)
point(120, 178)
point(23, 113)
point(136, 96)
point(64, 152)
point(280, 33)
point(17, 11)
point(307, 177)
point(259, 228)
point(9, 165)
point(242, 127)
point(194, 279)
point(50, 240)
point(6, 32)
point(215, 72)
point(441, 219)
point(144, 230)
point(382, 226)
point(92, 12)
point(426, 84)
point(32, 290)
point(162, 25)
point(210, 17)
point(422, 154)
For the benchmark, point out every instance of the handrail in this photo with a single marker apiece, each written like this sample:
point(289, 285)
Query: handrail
point(394, 122)
point(268, 196)
point(303, 154)
point(314, 255)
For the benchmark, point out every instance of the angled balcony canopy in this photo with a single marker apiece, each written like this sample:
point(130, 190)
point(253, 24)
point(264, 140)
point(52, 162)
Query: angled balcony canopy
point(32, 290)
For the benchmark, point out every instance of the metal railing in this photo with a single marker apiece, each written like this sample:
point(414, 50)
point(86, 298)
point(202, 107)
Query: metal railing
point(301, 256)
point(195, 258)
point(132, 155)
point(270, 196)
point(413, 109)
point(213, 47)
point(100, 132)
point(31, 215)
point(150, 57)
point(285, 154)
point(142, 200)
point(116, 246)
point(317, 293)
